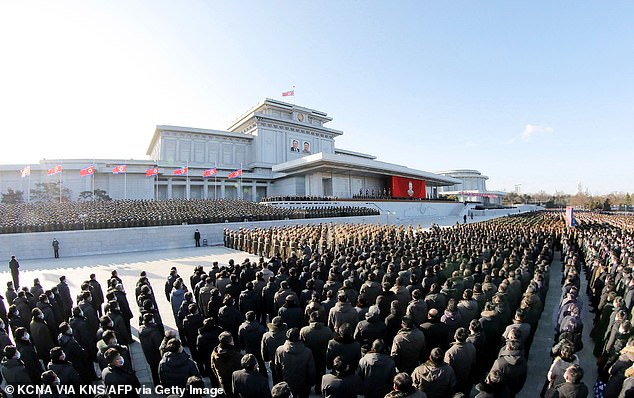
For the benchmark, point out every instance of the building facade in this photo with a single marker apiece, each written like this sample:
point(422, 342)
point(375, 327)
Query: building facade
point(471, 188)
point(274, 149)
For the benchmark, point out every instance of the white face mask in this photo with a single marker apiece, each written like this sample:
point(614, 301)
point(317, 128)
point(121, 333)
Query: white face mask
point(27, 336)
point(18, 355)
point(122, 361)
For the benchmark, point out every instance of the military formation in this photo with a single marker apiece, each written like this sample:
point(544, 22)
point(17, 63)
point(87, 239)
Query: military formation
point(40, 217)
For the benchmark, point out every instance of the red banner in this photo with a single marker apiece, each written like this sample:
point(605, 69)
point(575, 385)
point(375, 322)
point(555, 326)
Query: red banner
point(408, 188)
point(88, 171)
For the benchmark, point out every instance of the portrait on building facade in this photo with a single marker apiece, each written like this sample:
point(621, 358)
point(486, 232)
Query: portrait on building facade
point(294, 145)
point(306, 147)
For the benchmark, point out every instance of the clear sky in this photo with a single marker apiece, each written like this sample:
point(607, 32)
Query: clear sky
point(536, 93)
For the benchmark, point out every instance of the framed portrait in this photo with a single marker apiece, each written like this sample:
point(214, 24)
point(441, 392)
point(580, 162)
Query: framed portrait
point(295, 145)
point(306, 147)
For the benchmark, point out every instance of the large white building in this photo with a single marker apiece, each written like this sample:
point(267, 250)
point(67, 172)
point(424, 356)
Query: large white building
point(281, 148)
point(472, 187)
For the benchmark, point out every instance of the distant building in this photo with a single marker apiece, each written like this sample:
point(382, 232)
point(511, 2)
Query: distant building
point(472, 187)
point(280, 148)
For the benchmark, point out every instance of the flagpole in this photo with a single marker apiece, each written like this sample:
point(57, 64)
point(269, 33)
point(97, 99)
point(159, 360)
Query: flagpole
point(241, 193)
point(125, 183)
point(187, 178)
point(28, 189)
point(93, 180)
point(215, 179)
point(60, 182)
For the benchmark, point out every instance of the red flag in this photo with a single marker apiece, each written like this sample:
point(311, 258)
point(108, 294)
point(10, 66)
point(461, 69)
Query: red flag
point(288, 93)
point(210, 172)
point(25, 171)
point(151, 172)
point(88, 171)
point(119, 169)
point(55, 170)
point(180, 172)
point(235, 174)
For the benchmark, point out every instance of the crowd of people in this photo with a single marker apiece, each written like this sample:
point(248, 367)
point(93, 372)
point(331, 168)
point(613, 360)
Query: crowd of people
point(347, 310)
point(39, 217)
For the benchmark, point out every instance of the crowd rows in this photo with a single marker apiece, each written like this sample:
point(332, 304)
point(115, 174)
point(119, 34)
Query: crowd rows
point(38, 217)
point(346, 310)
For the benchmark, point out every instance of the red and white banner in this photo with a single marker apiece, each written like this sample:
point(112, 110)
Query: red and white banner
point(288, 93)
point(25, 172)
point(403, 187)
point(151, 172)
point(55, 170)
point(210, 172)
point(121, 169)
point(181, 172)
point(88, 171)
point(235, 174)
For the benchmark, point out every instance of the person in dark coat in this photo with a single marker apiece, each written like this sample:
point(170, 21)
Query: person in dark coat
point(573, 387)
point(377, 370)
point(79, 357)
point(229, 317)
point(192, 322)
point(10, 294)
point(249, 382)
point(5, 340)
point(24, 307)
point(316, 337)
point(64, 369)
point(435, 377)
point(436, 332)
point(97, 294)
point(476, 337)
point(14, 267)
point(461, 356)
point(512, 365)
point(124, 307)
point(225, 360)
point(47, 310)
point(14, 372)
point(370, 329)
point(250, 339)
point(291, 313)
point(37, 288)
point(404, 388)
point(115, 374)
point(296, 364)
point(118, 322)
point(493, 387)
point(88, 311)
point(41, 335)
point(82, 332)
point(341, 383)
point(197, 237)
point(408, 347)
point(15, 320)
point(344, 345)
point(206, 341)
point(271, 341)
point(151, 336)
point(67, 300)
point(28, 353)
point(176, 366)
point(109, 341)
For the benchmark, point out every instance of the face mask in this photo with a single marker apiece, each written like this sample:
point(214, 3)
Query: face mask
point(42, 316)
point(122, 361)
point(18, 355)
point(27, 336)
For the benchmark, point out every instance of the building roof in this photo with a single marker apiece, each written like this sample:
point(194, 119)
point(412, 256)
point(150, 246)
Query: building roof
point(193, 130)
point(327, 162)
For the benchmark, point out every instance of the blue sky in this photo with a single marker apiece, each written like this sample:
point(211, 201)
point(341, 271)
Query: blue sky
point(533, 93)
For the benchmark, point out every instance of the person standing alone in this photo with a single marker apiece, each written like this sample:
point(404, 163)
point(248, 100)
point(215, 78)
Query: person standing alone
point(197, 237)
point(56, 248)
point(13, 267)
